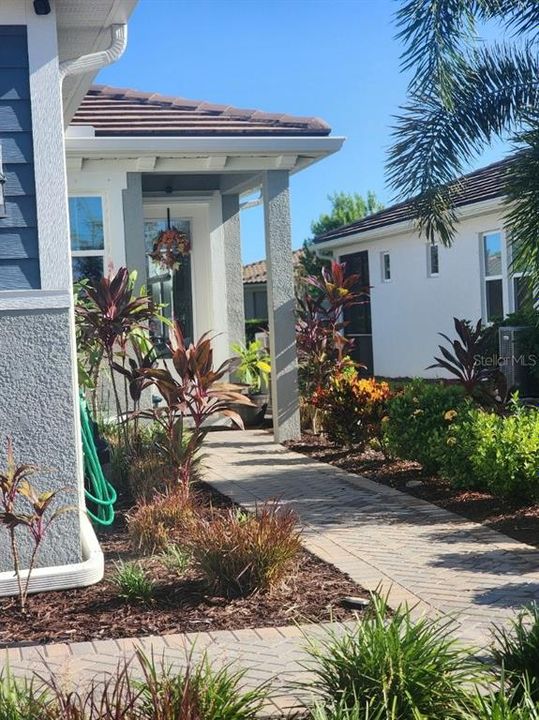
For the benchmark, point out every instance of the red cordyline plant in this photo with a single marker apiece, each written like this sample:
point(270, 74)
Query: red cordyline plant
point(21, 506)
point(322, 346)
point(107, 317)
point(190, 389)
point(464, 359)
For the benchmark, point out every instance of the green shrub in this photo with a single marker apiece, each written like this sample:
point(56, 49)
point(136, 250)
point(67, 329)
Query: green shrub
point(240, 554)
point(197, 693)
point(517, 651)
point(21, 700)
point(133, 582)
point(341, 711)
point(494, 452)
point(501, 705)
point(393, 666)
point(175, 558)
point(417, 421)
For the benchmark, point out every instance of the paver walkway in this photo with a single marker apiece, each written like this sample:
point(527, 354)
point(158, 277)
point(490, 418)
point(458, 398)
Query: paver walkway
point(425, 555)
point(419, 553)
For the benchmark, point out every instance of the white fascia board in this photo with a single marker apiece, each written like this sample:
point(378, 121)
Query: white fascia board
point(407, 226)
point(118, 147)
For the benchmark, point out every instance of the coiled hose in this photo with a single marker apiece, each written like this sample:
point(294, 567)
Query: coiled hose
point(98, 491)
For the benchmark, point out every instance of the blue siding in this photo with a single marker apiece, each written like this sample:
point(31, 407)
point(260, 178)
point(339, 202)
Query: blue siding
point(19, 274)
point(17, 148)
point(19, 244)
point(19, 257)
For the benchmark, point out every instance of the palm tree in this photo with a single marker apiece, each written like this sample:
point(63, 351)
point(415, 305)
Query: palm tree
point(463, 94)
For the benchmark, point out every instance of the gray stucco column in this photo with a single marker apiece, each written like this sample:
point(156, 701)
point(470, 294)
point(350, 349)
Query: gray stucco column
point(233, 268)
point(281, 305)
point(135, 252)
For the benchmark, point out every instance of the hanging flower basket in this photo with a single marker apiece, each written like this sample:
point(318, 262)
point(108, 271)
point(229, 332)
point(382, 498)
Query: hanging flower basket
point(169, 247)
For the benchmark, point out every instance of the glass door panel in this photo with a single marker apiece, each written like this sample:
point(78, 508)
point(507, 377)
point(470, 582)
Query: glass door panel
point(171, 289)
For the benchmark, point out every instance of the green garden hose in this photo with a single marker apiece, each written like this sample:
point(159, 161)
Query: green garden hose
point(98, 491)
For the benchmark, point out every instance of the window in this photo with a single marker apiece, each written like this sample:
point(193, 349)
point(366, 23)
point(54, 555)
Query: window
point(493, 273)
point(87, 237)
point(433, 262)
point(260, 304)
point(386, 267)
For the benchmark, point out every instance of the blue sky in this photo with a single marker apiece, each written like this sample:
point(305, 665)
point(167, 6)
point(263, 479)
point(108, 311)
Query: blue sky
point(336, 59)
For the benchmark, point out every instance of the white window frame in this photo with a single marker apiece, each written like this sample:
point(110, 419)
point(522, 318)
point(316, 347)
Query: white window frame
point(488, 278)
point(429, 260)
point(383, 255)
point(92, 253)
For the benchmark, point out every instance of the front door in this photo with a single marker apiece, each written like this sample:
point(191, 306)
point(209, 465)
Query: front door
point(172, 289)
point(358, 318)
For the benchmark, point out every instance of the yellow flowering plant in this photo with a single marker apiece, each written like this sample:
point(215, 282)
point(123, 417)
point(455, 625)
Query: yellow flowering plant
point(352, 408)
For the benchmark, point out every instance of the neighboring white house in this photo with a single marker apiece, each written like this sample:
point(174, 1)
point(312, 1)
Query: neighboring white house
point(134, 161)
point(417, 288)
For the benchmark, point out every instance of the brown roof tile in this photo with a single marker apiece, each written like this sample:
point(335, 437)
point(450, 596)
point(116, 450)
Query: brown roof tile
point(121, 111)
point(483, 184)
point(256, 272)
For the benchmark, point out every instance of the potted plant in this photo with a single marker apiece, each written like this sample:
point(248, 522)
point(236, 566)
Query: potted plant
point(253, 370)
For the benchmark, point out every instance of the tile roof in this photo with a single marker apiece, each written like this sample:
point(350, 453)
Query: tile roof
point(480, 185)
point(120, 111)
point(256, 272)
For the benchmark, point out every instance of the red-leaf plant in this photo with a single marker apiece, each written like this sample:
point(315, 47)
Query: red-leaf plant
point(108, 314)
point(322, 346)
point(190, 389)
point(22, 506)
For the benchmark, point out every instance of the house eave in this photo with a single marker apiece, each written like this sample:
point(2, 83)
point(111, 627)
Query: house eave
point(407, 226)
point(205, 153)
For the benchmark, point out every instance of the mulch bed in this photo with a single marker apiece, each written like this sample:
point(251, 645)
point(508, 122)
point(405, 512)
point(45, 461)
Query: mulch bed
point(517, 521)
point(312, 593)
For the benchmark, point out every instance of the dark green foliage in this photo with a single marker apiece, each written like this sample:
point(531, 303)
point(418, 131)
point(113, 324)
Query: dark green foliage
point(418, 420)
point(390, 665)
point(464, 93)
point(517, 651)
point(254, 326)
point(346, 208)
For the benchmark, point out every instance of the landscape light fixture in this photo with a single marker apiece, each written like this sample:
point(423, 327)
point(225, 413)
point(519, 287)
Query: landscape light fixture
point(42, 7)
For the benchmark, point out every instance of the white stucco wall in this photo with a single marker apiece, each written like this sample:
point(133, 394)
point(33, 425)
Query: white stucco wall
point(411, 309)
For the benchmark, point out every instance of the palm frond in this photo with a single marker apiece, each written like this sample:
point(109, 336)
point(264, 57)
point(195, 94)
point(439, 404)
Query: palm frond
point(522, 202)
point(496, 92)
point(434, 33)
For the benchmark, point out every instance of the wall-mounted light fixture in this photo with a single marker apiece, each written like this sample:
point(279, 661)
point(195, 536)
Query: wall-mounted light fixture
point(42, 7)
point(2, 186)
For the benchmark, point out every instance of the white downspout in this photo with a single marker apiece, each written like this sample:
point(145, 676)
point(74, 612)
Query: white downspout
point(97, 60)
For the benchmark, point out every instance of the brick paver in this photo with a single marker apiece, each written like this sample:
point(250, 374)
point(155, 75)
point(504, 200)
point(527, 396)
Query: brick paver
point(420, 554)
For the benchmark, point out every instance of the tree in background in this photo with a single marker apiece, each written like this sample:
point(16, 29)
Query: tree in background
point(463, 94)
point(346, 208)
